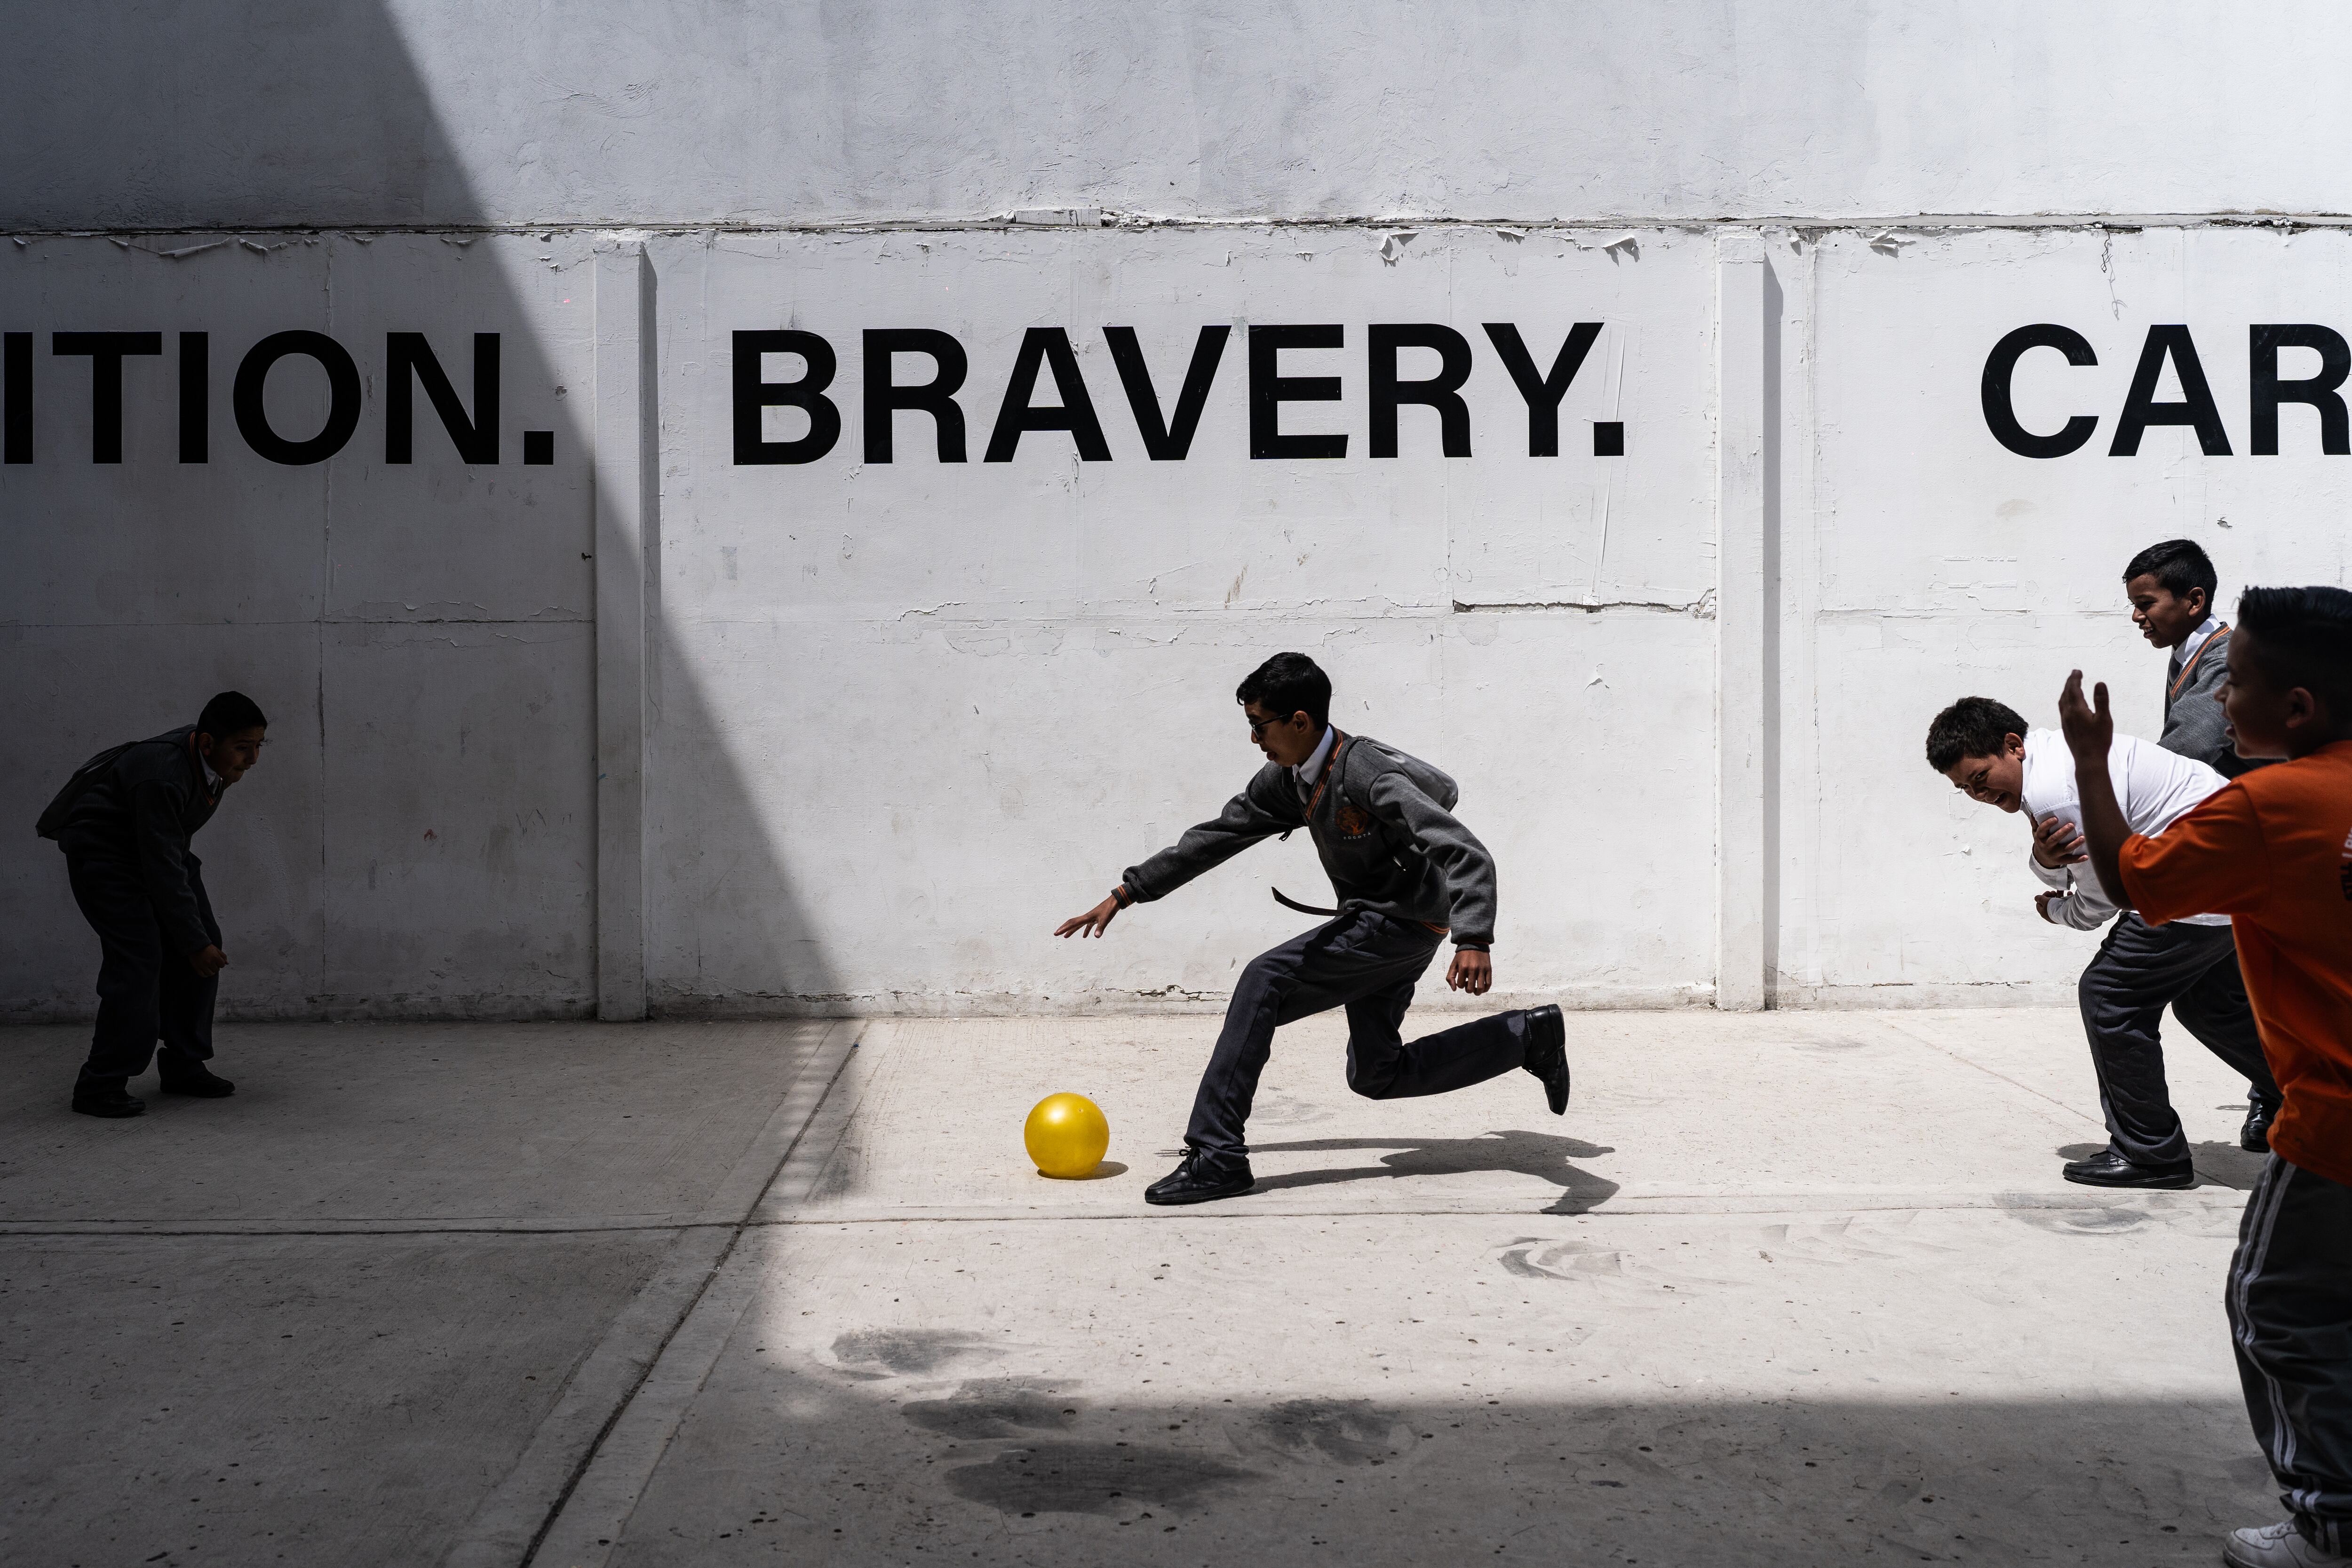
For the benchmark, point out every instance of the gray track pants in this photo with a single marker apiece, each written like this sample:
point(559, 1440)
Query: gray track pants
point(2139, 969)
point(2290, 1300)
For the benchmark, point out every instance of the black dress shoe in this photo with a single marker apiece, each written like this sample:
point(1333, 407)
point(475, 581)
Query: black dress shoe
point(103, 1100)
point(1198, 1180)
point(1548, 1055)
point(2254, 1137)
point(197, 1081)
point(2108, 1169)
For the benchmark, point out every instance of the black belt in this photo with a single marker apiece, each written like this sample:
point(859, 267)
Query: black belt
point(1295, 904)
point(1290, 904)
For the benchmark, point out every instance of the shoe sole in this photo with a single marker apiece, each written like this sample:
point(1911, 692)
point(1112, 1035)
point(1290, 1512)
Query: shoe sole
point(2152, 1183)
point(1200, 1198)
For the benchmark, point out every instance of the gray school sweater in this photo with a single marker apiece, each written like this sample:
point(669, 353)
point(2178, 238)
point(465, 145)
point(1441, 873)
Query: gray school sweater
point(1383, 827)
point(2194, 725)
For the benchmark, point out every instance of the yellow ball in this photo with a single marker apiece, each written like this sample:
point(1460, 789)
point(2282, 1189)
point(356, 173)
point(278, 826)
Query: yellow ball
point(1065, 1135)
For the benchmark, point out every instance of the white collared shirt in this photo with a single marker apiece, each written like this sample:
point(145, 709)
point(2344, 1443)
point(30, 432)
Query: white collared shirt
point(1305, 774)
point(2154, 786)
point(2196, 639)
point(214, 782)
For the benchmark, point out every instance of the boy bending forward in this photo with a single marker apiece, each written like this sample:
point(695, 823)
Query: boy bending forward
point(1985, 750)
point(1407, 874)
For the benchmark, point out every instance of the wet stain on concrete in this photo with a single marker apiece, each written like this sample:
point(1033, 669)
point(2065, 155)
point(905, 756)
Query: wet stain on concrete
point(1842, 1239)
point(898, 1352)
point(843, 1173)
point(1531, 1258)
point(1597, 1265)
point(1089, 1477)
point(1350, 1431)
point(2088, 1218)
point(2104, 1221)
point(993, 1407)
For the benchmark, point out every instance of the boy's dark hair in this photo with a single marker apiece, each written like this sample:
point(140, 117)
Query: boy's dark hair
point(1288, 683)
point(2178, 565)
point(2303, 637)
point(228, 713)
point(1973, 727)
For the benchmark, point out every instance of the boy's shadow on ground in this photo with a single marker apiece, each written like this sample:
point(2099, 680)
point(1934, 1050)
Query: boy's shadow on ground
point(1541, 1155)
point(2218, 1164)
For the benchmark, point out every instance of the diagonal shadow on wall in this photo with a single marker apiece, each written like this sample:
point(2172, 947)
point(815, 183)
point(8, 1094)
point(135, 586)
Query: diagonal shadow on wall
point(422, 842)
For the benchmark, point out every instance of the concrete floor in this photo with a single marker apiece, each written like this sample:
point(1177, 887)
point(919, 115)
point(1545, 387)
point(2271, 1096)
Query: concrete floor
point(1782, 1289)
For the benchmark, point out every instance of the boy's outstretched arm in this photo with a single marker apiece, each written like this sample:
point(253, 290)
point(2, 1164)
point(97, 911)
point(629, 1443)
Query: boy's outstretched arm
point(2090, 731)
point(1246, 820)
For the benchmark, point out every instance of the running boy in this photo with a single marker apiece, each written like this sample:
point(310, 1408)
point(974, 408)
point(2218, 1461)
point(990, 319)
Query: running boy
point(2274, 851)
point(1405, 871)
point(1987, 752)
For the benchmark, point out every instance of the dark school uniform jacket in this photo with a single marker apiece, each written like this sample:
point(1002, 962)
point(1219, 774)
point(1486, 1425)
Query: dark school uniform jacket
point(141, 813)
point(2194, 725)
point(1384, 826)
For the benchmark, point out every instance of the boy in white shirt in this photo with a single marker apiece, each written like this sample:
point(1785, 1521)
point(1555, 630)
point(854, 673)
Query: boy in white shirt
point(1985, 748)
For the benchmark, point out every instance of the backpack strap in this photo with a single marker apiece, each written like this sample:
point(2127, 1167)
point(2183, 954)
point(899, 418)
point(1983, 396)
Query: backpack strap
point(1330, 772)
point(53, 815)
point(2216, 634)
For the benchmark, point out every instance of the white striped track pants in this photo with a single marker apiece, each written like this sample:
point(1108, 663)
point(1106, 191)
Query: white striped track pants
point(2290, 1300)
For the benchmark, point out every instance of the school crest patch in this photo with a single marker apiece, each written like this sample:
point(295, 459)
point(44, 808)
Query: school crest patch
point(1353, 821)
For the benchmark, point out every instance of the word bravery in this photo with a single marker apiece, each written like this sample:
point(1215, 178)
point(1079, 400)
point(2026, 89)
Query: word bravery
point(1167, 431)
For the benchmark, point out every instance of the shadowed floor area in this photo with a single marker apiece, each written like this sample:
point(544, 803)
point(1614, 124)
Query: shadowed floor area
point(1776, 1288)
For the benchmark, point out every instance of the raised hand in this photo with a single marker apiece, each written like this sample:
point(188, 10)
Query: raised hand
point(2091, 734)
point(2089, 727)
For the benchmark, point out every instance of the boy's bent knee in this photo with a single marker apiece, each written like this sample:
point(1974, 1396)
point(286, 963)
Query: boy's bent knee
point(1262, 977)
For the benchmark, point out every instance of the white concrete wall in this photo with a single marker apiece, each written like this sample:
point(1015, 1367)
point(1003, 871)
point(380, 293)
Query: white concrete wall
point(426, 111)
point(902, 717)
point(1924, 561)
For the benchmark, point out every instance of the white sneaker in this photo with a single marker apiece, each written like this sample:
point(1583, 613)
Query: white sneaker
point(2276, 1546)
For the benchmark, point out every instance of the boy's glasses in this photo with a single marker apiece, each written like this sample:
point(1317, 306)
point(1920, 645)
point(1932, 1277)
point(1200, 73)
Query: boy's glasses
point(1258, 726)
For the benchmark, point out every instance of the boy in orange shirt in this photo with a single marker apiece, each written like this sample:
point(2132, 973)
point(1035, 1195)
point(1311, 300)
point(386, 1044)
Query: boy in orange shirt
point(2273, 851)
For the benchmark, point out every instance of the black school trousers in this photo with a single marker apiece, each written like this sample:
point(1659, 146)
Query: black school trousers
point(2139, 969)
point(2290, 1300)
point(146, 992)
point(1367, 963)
